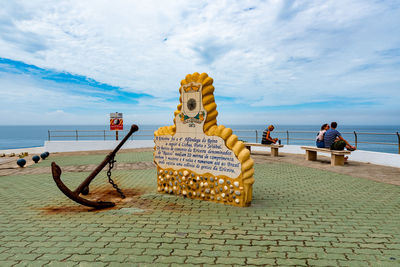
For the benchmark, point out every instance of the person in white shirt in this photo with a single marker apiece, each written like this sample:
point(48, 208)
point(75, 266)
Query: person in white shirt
point(320, 137)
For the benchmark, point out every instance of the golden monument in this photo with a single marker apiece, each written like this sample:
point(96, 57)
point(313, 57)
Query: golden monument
point(197, 158)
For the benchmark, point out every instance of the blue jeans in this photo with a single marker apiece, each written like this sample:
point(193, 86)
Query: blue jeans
point(320, 144)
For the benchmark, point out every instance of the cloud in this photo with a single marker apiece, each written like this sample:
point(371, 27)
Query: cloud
point(74, 84)
point(262, 55)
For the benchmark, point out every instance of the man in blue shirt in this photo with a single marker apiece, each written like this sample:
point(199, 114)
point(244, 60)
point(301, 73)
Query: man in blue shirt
point(333, 139)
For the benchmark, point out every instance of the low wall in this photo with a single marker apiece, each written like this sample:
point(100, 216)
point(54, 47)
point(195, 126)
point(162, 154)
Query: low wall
point(70, 146)
point(378, 158)
point(30, 150)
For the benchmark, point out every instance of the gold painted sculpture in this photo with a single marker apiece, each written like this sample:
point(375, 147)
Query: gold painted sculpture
point(197, 158)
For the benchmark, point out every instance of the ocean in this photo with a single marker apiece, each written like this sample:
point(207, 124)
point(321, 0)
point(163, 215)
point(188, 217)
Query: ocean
point(33, 136)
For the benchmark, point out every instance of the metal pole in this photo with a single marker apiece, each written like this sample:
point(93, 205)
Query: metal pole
point(116, 135)
point(48, 133)
point(256, 136)
point(287, 137)
point(355, 138)
point(398, 140)
point(104, 135)
point(76, 135)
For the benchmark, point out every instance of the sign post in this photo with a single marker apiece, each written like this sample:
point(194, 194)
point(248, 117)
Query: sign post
point(116, 123)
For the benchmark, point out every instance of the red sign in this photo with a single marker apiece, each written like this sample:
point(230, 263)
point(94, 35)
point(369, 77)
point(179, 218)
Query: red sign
point(116, 122)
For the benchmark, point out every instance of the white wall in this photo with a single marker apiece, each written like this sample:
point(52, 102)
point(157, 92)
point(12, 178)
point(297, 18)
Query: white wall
point(69, 146)
point(378, 158)
point(30, 150)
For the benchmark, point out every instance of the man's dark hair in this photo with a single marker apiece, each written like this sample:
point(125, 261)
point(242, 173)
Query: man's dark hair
point(333, 124)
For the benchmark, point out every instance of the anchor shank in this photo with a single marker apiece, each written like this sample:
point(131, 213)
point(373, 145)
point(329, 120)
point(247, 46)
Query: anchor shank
point(91, 176)
point(110, 156)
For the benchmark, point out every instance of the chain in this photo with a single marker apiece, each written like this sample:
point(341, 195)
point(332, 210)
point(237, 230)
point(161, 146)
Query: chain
point(110, 180)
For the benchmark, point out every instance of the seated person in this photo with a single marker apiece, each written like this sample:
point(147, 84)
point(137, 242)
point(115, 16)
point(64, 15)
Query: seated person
point(333, 139)
point(266, 137)
point(320, 137)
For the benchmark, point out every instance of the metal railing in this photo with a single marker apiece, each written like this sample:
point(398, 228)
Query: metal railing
point(253, 135)
point(98, 134)
point(287, 136)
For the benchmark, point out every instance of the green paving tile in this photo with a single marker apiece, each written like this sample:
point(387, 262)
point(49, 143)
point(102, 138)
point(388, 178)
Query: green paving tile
point(352, 263)
point(94, 264)
point(231, 260)
point(169, 259)
point(54, 257)
point(291, 262)
point(8, 263)
point(322, 262)
point(35, 263)
point(88, 257)
point(298, 216)
point(260, 261)
point(61, 263)
point(112, 258)
point(200, 260)
point(5, 256)
point(214, 253)
point(141, 259)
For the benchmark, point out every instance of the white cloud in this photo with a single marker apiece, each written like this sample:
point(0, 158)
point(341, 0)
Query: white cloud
point(263, 53)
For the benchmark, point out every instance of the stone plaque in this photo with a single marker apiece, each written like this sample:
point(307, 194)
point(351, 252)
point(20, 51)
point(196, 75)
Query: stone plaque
point(198, 159)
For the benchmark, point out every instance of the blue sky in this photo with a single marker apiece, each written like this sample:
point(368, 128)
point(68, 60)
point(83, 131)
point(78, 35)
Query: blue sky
point(280, 62)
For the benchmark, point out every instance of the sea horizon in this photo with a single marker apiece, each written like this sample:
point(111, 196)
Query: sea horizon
point(26, 136)
point(170, 122)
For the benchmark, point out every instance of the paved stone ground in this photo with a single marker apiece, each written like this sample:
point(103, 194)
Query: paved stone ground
point(385, 174)
point(299, 216)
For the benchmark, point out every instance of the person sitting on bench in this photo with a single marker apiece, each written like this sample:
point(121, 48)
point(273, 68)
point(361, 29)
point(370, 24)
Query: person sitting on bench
point(320, 136)
point(333, 139)
point(266, 137)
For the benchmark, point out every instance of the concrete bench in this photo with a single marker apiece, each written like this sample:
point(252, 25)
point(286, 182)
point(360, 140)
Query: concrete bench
point(337, 156)
point(274, 147)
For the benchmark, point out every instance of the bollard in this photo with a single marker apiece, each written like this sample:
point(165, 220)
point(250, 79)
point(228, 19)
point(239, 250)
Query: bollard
point(21, 162)
point(36, 158)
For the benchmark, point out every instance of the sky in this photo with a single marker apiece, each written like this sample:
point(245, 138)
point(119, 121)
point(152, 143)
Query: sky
point(273, 62)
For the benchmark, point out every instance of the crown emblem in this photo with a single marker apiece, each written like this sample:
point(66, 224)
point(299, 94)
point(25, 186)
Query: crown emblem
point(192, 87)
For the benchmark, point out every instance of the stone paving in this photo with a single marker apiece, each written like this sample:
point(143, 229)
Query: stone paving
point(299, 216)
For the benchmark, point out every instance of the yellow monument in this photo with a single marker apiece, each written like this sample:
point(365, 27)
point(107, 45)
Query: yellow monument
point(198, 159)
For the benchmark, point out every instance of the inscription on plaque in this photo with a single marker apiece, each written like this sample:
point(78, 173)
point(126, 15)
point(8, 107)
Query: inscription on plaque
point(206, 154)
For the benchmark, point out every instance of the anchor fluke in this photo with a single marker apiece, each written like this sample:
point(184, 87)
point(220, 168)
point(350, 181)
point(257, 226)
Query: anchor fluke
point(56, 171)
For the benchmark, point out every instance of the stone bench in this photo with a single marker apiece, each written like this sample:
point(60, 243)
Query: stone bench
point(274, 147)
point(337, 156)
